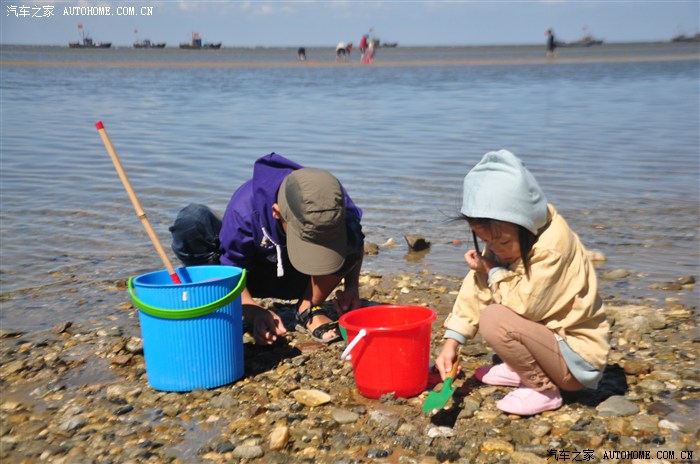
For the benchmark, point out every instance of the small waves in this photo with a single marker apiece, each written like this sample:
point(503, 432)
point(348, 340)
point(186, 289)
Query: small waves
point(614, 145)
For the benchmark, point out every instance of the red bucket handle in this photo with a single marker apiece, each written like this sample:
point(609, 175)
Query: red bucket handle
point(346, 352)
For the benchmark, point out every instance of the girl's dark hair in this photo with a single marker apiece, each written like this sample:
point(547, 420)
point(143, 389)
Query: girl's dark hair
point(526, 239)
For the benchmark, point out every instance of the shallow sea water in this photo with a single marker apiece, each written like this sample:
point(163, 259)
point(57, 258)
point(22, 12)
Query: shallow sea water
point(610, 132)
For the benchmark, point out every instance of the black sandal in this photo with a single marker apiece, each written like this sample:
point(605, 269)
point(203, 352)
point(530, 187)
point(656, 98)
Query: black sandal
point(317, 334)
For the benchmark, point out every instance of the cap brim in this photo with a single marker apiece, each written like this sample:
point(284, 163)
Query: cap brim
point(316, 259)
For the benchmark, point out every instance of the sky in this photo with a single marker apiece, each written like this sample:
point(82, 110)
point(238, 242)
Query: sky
point(316, 23)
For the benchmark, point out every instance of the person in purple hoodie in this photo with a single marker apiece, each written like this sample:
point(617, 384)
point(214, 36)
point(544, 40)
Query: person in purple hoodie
point(298, 234)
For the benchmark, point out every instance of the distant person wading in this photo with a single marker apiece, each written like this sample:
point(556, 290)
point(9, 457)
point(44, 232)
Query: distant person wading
point(551, 43)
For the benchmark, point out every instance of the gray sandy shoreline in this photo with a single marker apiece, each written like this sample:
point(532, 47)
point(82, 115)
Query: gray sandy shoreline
point(79, 393)
point(389, 63)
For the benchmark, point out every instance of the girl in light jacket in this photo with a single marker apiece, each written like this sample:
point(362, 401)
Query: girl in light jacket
point(532, 294)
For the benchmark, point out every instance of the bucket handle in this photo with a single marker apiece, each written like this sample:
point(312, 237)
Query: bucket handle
point(346, 352)
point(188, 313)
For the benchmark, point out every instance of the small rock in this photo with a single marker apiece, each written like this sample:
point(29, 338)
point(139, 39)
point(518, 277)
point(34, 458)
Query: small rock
point(343, 416)
point(668, 425)
point(652, 386)
point(389, 243)
point(618, 426)
point(541, 429)
point(134, 345)
point(521, 457)
point(664, 375)
point(5, 333)
point(407, 430)
point(580, 425)
point(441, 431)
point(637, 367)
point(374, 453)
point(11, 405)
point(73, 423)
point(615, 274)
point(385, 420)
point(311, 398)
point(645, 425)
point(121, 360)
point(617, 406)
point(248, 452)
point(224, 402)
point(672, 286)
point(14, 366)
point(60, 328)
point(279, 438)
point(110, 332)
point(123, 410)
point(469, 408)
point(499, 446)
point(417, 242)
point(371, 249)
point(224, 447)
point(117, 392)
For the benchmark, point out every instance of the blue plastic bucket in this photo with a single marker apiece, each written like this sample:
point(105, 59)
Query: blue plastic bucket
point(192, 333)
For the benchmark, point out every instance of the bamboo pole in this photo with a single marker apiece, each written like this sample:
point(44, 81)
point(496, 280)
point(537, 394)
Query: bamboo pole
point(135, 201)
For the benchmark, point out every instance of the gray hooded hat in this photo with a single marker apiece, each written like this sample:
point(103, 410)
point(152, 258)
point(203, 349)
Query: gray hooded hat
point(500, 187)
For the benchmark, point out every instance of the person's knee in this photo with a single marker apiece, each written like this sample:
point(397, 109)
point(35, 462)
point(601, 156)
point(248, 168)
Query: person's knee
point(491, 323)
point(493, 315)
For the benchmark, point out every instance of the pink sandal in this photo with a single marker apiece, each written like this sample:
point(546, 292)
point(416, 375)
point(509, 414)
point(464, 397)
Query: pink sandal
point(500, 374)
point(527, 402)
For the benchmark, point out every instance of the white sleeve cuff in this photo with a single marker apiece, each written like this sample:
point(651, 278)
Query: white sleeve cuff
point(492, 271)
point(453, 334)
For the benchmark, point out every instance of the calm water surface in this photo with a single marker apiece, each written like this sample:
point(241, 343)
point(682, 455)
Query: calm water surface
point(612, 140)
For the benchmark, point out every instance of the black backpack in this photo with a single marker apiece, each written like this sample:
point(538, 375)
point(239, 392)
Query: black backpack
point(196, 235)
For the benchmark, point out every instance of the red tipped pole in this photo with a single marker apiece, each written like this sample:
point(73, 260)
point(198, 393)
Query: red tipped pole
point(135, 201)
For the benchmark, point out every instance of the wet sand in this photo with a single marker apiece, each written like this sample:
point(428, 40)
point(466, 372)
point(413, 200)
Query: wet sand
point(377, 63)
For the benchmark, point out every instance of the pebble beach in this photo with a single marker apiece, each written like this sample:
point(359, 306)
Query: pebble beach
point(79, 394)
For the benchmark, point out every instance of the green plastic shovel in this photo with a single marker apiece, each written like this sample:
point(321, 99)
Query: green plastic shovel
point(437, 400)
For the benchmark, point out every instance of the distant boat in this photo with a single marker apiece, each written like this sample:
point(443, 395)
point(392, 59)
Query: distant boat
point(685, 38)
point(585, 41)
point(148, 44)
point(87, 42)
point(379, 44)
point(197, 44)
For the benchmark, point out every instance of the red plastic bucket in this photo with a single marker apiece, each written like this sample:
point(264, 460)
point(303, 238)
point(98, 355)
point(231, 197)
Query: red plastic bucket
point(389, 347)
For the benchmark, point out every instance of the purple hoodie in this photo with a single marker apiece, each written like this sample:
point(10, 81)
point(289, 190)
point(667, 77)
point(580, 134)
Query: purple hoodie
point(249, 233)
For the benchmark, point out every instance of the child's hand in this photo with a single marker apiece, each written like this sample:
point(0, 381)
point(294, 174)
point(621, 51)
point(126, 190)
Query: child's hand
point(347, 300)
point(477, 262)
point(447, 356)
point(267, 325)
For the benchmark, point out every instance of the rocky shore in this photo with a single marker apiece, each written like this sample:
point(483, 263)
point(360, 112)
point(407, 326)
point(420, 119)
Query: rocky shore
point(79, 394)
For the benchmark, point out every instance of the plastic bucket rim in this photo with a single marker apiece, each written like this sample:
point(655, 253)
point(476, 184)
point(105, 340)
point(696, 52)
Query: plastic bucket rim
point(343, 321)
point(188, 313)
point(178, 270)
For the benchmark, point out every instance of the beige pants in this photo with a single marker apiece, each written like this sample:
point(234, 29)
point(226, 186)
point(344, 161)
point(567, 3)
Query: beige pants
point(529, 348)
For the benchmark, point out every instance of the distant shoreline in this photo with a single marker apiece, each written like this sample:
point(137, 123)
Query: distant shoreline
point(331, 64)
point(400, 45)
